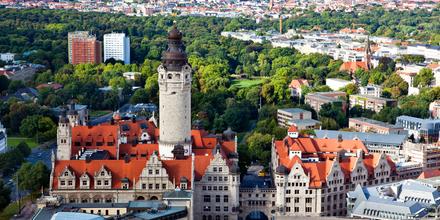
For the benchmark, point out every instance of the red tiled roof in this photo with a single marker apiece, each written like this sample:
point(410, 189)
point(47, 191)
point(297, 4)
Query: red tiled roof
point(297, 83)
point(353, 66)
point(429, 174)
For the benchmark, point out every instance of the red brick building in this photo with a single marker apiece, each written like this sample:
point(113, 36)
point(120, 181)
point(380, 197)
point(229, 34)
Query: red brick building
point(85, 49)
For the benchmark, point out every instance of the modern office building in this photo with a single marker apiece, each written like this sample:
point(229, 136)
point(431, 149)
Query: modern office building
point(427, 129)
point(408, 199)
point(369, 125)
point(117, 46)
point(84, 48)
point(428, 155)
point(317, 99)
point(372, 103)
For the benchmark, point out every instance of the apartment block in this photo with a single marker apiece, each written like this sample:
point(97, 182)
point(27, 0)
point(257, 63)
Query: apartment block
point(84, 48)
point(369, 125)
point(317, 99)
point(117, 46)
point(300, 117)
point(375, 104)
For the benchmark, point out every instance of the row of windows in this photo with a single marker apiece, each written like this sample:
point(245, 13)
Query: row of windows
point(156, 186)
point(257, 195)
point(217, 217)
point(215, 188)
point(207, 198)
point(296, 200)
point(220, 178)
point(217, 208)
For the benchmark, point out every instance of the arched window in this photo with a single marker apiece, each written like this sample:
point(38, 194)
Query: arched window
point(170, 76)
point(178, 76)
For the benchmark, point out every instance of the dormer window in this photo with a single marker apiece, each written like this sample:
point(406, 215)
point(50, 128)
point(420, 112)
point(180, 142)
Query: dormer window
point(66, 173)
point(102, 173)
point(98, 143)
point(110, 143)
point(77, 143)
point(183, 186)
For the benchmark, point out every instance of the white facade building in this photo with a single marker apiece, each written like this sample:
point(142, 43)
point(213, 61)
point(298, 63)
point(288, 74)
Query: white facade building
point(117, 46)
point(336, 84)
point(3, 139)
point(7, 57)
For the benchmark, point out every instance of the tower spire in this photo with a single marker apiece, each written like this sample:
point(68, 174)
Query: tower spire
point(368, 53)
point(174, 58)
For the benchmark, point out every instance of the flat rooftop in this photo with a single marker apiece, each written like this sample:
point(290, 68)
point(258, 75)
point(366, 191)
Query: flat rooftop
point(292, 110)
point(375, 122)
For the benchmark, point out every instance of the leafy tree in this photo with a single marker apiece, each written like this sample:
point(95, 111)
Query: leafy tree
point(351, 89)
point(36, 125)
point(332, 111)
point(14, 85)
point(259, 146)
point(329, 123)
point(5, 198)
point(423, 78)
point(4, 83)
point(395, 86)
point(32, 177)
point(139, 96)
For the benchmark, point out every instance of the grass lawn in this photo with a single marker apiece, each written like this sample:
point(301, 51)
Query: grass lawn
point(14, 141)
point(246, 83)
point(99, 113)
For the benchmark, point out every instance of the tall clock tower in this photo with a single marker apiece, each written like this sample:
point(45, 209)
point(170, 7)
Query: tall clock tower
point(174, 98)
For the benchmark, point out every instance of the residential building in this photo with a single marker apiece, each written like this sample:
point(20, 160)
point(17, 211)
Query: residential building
point(7, 57)
point(369, 125)
point(408, 199)
point(425, 129)
point(84, 48)
point(125, 160)
point(430, 52)
point(371, 90)
point(313, 175)
point(301, 118)
point(336, 84)
point(3, 139)
point(373, 103)
point(434, 109)
point(70, 37)
point(317, 99)
point(117, 46)
point(295, 87)
point(389, 144)
point(428, 155)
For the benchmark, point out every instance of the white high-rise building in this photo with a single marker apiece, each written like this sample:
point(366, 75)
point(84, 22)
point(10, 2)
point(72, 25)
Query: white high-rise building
point(117, 46)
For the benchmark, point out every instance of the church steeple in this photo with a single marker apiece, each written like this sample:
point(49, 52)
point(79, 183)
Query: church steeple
point(368, 53)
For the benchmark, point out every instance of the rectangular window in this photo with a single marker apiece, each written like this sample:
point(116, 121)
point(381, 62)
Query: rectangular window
point(164, 186)
point(84, 183)
point(308, 200)
point(225, 188)
point(157, 172)
point(308, 209)
point(225, 198)
point(150, 171)
point(207, 208)
point(150, 186)
point(225, 209)
point(296, 209)
point(287, 200)
point(220, 169)
point(144, 186)
point(217, 198)
point(106, 182)
point(63, 183)
point(157, 185)
point(206, 198)
point(217, 208)
point(99, 182)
